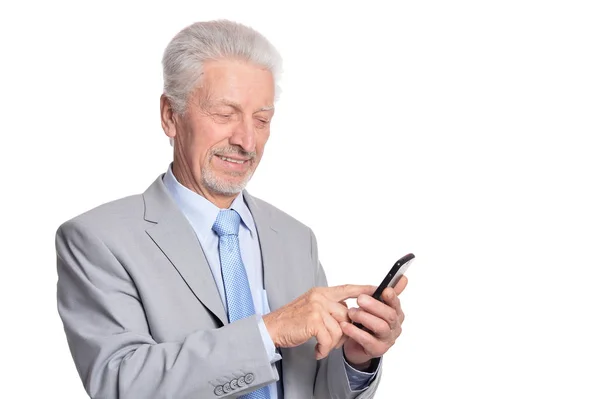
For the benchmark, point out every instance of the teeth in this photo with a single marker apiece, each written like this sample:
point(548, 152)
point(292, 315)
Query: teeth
point(231, 160)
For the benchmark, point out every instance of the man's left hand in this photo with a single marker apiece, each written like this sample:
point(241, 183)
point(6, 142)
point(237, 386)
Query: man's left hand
point(384, 319)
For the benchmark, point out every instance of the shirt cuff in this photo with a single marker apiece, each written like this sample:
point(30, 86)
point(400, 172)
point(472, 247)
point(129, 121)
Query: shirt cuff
point(357, 379)
point(267, 341)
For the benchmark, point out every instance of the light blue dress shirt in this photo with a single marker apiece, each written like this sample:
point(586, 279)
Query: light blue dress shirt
point(202, 214)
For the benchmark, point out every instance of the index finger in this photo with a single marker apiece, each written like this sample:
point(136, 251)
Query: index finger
point(346, 291)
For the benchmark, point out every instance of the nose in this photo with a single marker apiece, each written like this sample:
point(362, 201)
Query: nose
point(244, 135)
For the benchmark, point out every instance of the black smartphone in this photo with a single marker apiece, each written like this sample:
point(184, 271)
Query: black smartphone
point(391, 279)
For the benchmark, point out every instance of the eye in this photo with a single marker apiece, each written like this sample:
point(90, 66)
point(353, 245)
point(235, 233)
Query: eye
point(223, 117)
point(262, 122)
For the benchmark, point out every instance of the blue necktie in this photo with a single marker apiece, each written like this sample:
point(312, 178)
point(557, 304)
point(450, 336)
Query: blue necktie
point(235, 279)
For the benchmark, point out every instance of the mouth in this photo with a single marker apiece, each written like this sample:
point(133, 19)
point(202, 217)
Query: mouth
point(233, 164)
point(238, 161)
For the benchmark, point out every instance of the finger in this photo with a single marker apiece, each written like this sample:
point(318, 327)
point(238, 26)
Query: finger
point(379, 309)
point(335, 331)
point(371, 345)
point(378, 326)
point(343, 340)
point(391, 299)
point(324, 339)
point(401, 285)
point(337, 310)
point(343, 292)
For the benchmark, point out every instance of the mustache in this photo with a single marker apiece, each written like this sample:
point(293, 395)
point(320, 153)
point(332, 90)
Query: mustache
point(224, 151)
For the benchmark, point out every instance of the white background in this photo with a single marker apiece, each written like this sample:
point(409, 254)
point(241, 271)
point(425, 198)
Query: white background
point(464, 131)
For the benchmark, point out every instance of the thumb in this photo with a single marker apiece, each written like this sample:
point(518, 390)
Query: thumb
point(401, 285)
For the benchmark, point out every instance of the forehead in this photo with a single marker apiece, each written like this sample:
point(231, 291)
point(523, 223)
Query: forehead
point(237, 81)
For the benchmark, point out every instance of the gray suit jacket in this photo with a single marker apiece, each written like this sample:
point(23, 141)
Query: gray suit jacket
point(143, 317)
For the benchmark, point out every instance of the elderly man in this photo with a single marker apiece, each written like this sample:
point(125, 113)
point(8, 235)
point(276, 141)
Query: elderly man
point(195, 288)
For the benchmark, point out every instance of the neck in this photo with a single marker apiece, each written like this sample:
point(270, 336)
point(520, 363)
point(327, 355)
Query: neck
point(186, 179)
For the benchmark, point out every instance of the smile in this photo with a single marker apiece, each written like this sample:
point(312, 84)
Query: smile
point(238, 161)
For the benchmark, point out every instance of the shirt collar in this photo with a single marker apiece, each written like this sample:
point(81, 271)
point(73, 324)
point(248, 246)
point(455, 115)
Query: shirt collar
point(240, 206)
point(200, 212)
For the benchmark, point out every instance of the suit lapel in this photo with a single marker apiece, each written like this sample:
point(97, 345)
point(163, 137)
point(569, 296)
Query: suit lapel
point(271, 250)
point(175, 237)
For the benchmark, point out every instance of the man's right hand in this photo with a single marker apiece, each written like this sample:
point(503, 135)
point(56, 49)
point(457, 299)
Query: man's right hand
point(317, 313)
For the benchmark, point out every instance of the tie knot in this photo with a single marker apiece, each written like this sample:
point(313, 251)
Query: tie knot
point(227, 223)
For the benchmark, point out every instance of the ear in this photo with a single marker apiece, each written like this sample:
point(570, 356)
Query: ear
point(167, 117)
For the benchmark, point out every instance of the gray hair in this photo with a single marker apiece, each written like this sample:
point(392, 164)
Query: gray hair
point(212, 40)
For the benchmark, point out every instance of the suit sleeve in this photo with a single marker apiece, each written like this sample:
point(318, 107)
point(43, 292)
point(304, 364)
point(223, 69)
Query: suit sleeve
point(113, 349)
point(331, 380)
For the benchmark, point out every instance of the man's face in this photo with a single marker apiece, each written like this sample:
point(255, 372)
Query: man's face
point(221, 137)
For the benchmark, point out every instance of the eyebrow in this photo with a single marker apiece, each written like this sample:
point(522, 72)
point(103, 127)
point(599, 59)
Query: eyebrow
point(238, 107)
